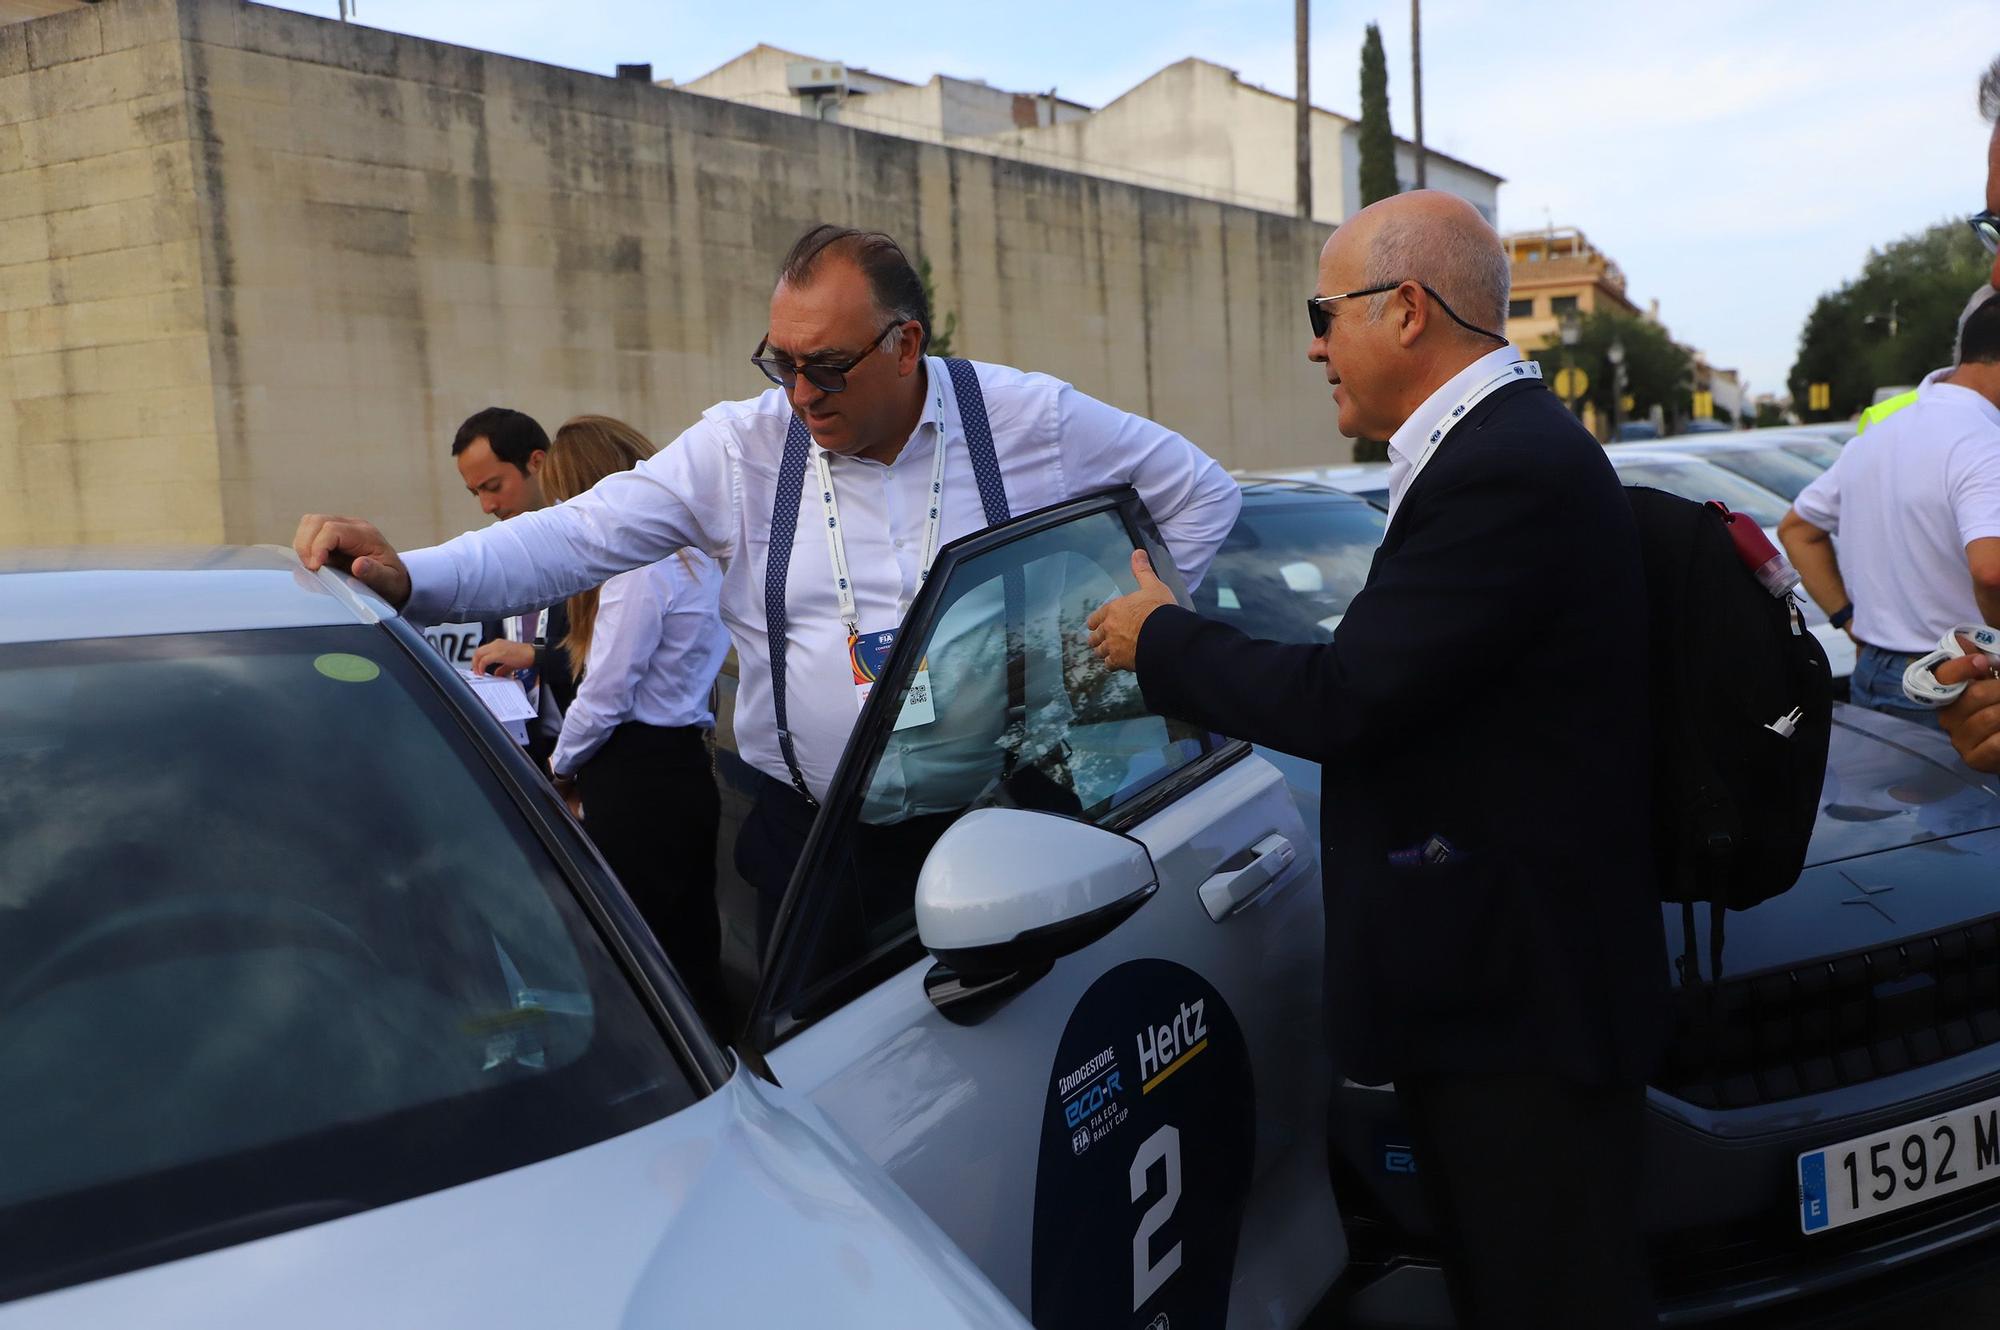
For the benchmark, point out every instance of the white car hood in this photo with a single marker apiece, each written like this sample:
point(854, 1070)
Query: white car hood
point(747, 1208)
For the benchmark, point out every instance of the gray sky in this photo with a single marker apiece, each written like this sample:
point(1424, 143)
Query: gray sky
point(1736, 157)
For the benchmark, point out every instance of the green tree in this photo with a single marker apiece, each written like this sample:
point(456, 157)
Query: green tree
point(1658, 370)
point(943, 325)
point(1893, 324)
point(1378, 141)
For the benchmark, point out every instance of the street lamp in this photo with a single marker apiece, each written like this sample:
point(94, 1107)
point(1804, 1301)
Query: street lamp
point(1615, 353)
point(1571, 331)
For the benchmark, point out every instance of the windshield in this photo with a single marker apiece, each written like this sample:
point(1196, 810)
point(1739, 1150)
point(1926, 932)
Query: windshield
point(1701, 482)
point(1289, 569)
point(275, 947)
point(1776, 470)
point(1821, 455)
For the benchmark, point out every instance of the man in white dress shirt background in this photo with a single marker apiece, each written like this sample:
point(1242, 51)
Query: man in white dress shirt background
point(849, 329)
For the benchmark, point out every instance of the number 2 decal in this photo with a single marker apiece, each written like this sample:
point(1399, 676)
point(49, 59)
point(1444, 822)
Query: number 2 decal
point(1164, 1144)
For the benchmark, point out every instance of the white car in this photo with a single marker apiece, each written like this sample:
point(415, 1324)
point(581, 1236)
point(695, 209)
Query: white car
point(316, 1010)
point(1087, 1039)
point(1693, 477)
point(387, 1046)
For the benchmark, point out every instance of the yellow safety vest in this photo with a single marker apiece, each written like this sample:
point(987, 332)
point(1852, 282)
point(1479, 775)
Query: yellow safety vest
point(1883, 409)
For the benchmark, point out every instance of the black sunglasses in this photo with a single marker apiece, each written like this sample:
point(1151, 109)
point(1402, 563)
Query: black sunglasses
point(827, 376)
point(1986, 225)
point(1321, 317)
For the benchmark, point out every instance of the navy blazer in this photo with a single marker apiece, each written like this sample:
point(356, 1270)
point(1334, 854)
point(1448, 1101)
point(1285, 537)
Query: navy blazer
point(1487, 686)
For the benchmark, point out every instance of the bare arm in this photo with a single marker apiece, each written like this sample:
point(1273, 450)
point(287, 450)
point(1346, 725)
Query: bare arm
point(1811, 551)
point(1982, 559)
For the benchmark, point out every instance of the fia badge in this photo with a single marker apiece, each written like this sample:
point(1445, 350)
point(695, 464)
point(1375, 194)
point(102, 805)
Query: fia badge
point(868, 653)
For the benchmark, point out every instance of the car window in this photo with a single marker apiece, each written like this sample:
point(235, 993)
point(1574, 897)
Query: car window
point(1774, 469)
point(1701, 482)
point(1821, 455)
point(1289, 569)
point(276, 946)
point(1011, 709)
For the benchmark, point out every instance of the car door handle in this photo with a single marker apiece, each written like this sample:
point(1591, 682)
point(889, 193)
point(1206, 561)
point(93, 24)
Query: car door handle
point(1233, 888)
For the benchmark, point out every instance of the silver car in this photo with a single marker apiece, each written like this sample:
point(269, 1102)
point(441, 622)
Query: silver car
point(317, 1010)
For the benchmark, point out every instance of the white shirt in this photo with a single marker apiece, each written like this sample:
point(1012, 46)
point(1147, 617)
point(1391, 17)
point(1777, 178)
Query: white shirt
point(1406, 445)
point(654, 651)
point(712, 489)
point(1906, 498)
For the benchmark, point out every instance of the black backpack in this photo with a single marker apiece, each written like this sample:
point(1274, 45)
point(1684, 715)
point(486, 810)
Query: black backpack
point(1742, 708)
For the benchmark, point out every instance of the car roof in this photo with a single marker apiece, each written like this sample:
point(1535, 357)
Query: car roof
point(1335, 477)
point(66, 595)
point(1276, 489)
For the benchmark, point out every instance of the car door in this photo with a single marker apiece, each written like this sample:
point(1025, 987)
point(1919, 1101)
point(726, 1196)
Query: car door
point(1131, 1131)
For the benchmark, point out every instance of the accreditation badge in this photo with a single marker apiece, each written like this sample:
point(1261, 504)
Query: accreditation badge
point(868, 653)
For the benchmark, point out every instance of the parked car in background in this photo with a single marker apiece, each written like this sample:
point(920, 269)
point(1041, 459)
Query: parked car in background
point(1763, 462)
point(1636, 429)
point(1824, 1134)
point(1702, 427)
point(317, 1010)
point(1368, 481)
point(1698, 478)
point(1833, 431)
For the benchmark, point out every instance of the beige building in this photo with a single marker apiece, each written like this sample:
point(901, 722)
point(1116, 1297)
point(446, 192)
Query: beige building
point(942, 110)
point(1194, 128)
point(1558, 271)
point(254, 263)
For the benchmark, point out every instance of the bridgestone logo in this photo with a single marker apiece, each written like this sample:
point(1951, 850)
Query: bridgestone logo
point(1083, 1073)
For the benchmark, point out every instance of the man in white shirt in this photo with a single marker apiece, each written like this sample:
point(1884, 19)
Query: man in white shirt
point(848, 333)
point(499, 454)
point(1916, 504)
point(1973, 722)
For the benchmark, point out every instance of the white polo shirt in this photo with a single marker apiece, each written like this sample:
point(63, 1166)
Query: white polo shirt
point(1906, 498)
point(712, 489)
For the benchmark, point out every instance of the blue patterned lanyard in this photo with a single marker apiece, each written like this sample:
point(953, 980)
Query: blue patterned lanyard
point(785, 523)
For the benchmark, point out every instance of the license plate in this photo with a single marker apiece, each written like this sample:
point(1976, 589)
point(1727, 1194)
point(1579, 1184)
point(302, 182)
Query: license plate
point(1903, 1166)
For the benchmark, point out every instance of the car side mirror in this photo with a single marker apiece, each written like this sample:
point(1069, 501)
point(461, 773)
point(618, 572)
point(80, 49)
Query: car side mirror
point(1006, 890)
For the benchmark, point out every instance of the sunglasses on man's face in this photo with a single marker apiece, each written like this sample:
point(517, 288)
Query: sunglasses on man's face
point(1986, 225)
point(1319, 309)
point(829, 376)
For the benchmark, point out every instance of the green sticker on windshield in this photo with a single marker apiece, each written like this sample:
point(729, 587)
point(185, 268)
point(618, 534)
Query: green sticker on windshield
point(347, 668)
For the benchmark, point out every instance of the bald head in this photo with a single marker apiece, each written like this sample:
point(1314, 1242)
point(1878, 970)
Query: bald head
point(1435, 238)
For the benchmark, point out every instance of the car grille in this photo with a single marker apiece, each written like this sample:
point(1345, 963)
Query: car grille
point(1846, 1020)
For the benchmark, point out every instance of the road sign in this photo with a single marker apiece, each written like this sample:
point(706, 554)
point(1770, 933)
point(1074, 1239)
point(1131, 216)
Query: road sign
point(1819, 397)
point(1704, 404)
point(1571, 384)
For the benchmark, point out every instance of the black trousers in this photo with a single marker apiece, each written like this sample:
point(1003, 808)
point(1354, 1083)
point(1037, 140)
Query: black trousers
point(877, 873)
point(649, 803)
point(1535, 1185)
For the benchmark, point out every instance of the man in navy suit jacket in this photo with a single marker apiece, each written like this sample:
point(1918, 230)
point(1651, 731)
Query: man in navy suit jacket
point(1494, 942)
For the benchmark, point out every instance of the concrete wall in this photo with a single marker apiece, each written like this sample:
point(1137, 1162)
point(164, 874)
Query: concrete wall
point(390, 233)
point(107, 420)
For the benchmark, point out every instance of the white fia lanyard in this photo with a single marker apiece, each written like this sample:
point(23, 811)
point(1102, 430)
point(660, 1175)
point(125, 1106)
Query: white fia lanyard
point(836, 545)
point(1520, 369)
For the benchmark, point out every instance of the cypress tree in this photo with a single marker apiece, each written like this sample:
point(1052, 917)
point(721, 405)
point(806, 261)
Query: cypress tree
point(1378, 141)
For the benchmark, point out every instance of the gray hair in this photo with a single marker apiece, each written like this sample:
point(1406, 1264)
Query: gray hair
point(1989, 93)
point(1471, 277)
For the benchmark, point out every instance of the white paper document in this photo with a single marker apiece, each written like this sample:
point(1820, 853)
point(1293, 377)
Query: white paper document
point(502, 696)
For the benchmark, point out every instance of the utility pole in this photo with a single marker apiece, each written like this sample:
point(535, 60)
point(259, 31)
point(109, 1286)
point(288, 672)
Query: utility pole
point(1305, 144)
point(1417, 80)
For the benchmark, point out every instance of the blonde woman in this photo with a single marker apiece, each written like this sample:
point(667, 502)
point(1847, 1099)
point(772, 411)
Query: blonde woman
point(646, 647)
